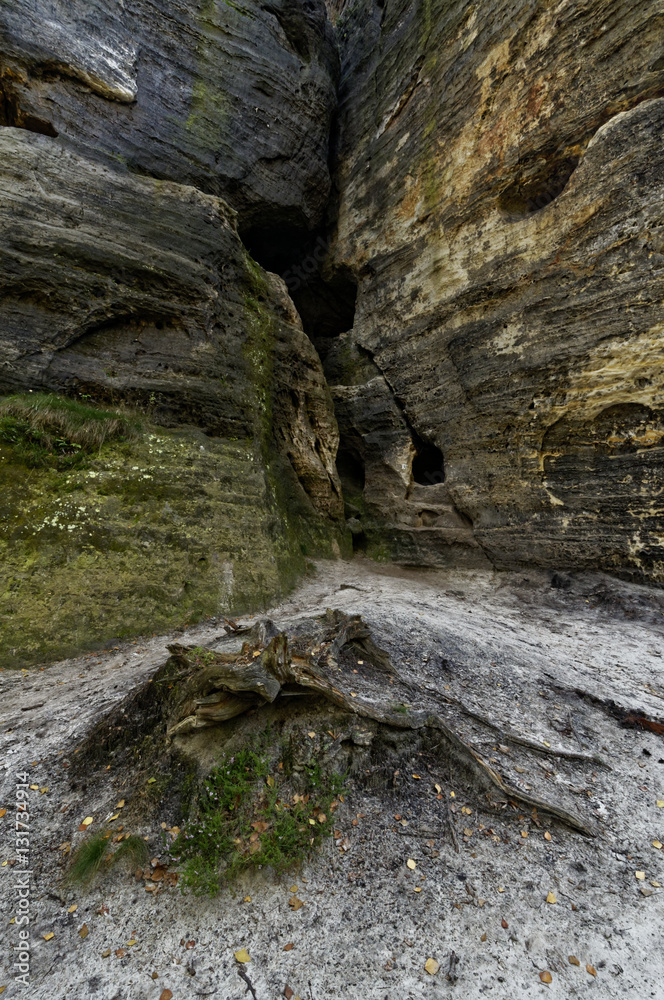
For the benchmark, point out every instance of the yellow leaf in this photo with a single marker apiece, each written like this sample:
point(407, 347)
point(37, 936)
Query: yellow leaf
point(438, 788)
point(311, 735)
point(551, 898)
point(467, 832)
point(130, 944)
point(270, 780)
point(524, 833)
point(3, 812)
point(242, 956)
point(322, 818)
point(418, 888)
point(500, 889)
point(591, 970)
point(87, 821)
point(657, 844)
point(417, 777)
point(35, 788)
point(106, 954)
point(353, 694)
point(73, 909)
point(660, 803)
point(120, 804)
point(83, 933)
point(293, 888)
point(431, 966)
point(573, 960)
point(47, 937)
point(547, 835)
point(656, 884)
point(640, 876)
point(313, 822)
point(2, 989)
point(546, 977)
point(151, 781)
point(452, 795)
point(13, 920)
point(111, 818)
point(411, 864)
point(546, 745)
point(43, 790)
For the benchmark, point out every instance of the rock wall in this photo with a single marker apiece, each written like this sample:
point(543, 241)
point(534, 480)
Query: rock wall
point(500, 202)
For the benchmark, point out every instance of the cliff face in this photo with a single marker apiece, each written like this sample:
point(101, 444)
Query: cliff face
point(500, 200)
point(470, 300)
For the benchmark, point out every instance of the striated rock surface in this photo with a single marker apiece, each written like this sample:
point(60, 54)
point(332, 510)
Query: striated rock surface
point(234, 98)
point(500, 201)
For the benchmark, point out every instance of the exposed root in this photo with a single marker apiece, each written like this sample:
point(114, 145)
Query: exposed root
point(333, 656)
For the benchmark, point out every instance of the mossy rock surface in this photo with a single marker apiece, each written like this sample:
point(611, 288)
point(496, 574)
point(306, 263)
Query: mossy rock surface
point(145, 536)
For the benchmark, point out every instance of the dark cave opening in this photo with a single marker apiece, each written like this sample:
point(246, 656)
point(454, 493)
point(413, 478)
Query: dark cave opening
point(350, 467)
point(325, 302)
point(428, 463)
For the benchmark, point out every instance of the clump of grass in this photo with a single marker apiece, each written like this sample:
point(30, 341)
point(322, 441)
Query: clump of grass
point(133, 850)
point(249, 818)
point(88, 859)
point(43, 427)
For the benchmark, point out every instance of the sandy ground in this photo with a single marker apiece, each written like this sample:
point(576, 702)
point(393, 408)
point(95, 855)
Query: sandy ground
point(558, 666)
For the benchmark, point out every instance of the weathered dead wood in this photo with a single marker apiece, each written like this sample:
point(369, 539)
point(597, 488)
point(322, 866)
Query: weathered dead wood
point(322, 659)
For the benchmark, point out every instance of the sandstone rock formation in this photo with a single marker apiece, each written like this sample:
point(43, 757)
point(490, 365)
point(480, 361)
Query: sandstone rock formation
point(500, 179)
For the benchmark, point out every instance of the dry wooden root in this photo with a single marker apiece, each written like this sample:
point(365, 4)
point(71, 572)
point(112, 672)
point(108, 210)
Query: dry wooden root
point(323, 658)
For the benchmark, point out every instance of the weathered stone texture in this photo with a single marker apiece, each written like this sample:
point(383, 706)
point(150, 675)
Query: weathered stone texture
point(234, 98)
point(501, 177)
point(124, 289)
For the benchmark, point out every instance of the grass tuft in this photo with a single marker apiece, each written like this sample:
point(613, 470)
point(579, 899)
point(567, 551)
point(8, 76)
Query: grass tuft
point(249, 818)
point(133, 849)
point(88, 859)
point(42, 427)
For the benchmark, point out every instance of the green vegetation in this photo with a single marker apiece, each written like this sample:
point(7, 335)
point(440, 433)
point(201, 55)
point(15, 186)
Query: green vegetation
point(248, 817)
point(95, 854)
point(88, 859)
point(48, 430)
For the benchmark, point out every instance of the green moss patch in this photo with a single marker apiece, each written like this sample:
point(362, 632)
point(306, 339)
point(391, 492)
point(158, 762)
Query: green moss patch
point(249, 816)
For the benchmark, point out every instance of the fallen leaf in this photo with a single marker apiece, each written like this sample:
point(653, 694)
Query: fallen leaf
point(165, 995)
point(551, 898)
point(658, 885)
point(288, 993)
point(111, 818)
point(242, 956)
point(73, 909)
point(35, 788)
point(289, 946)
point(2, 989)
point(295, 903)
point(646, 891)
point(47, 937)
point(189, 945)
point(120, 804)
point(545, 743)
point(660, 803)
point(431, 966)
point(322, 818)
point(87, 821)
point(293, 888)
point(546, 977)
point(438, 789)
point(3, 812)
point(311, 735)
point(547, 835)
point(640, 875)
point(467, 832)
point(504, 924)
point(483, 938)
point(83, 933)
point(411, 864)
point(657, 844)
point(151, 781)
point(591, 970)
point(106, 954)
point(524, 833)
point(130, 944)
point(573, 960)
point(418, 777)
point(500, 889)
point(120, 953)
point(247, 899)
point(418, 888)
point(270, 780)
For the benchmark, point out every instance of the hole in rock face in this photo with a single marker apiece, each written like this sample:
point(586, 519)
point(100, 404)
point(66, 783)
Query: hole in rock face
point(350, 467)
point(13, 116)
point(540, 184)
point(428, 464)
point(325, 302)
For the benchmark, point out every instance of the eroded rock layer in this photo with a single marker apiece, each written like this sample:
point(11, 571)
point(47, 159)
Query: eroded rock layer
point(500, 179)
